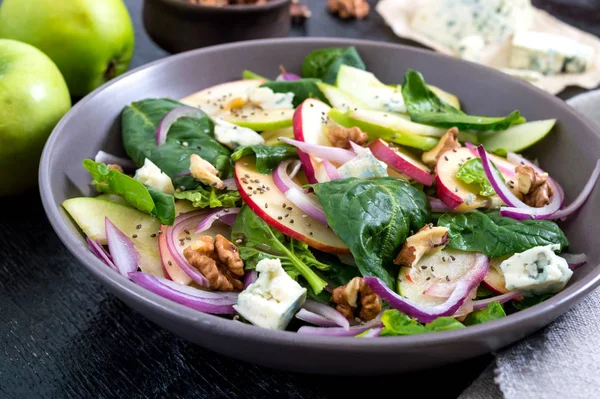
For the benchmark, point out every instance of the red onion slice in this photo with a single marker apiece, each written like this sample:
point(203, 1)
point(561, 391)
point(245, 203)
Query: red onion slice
point(225, 215)
point(582, 197)
point(250, 277)
point(574, 260)
point(332, 154)
point(124, 254)
point(171, 117)
point(517, 209)
point(98, 250)
point(327, 312)
point(306, 202)
point(475, 275)
point(503, 169)
point(186, 221)
point(424, 314)
point(372, 333)
point(331, 170)
point(437, 205)
point(313, 318)
point(355, 147)
point(204, 301)
point(483, 303)
point(340, 331)
point(125, 163)
point(287, 76)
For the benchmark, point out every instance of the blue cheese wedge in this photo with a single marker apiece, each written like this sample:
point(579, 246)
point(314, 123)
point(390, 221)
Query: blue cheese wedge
point(233, 136)
point(152, 176)
point(273, 299)
point(364, 165)
point(448, 22)
point(536, 271)
point(549, 54)
point(471, 48)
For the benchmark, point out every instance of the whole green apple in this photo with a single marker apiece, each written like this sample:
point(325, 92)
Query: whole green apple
point(91, 41)
point(33, 98)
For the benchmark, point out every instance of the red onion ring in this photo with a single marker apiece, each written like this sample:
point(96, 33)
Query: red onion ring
point(101, 253)
point(314, 318)
point(330, 170)
point(225, 215)
point(483, 303)
point(306, 202)
point(355, 147)
point(124, 254)
point(171, 117)
point(326, 311)
point(475, 274)
point(125, 163)
point(340, 331)
point(583, 195)
point(437, 205)
point(333, 154)
point(250, 277)
point(204, 301)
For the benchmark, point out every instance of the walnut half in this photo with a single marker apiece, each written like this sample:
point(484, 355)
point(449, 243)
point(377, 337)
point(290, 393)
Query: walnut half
point(219, 261)
point(532, 187)
point(356, 299)
point(340, 136)
point(427, 240)
point(204, 171)
point(448, 141)
point(358, 9)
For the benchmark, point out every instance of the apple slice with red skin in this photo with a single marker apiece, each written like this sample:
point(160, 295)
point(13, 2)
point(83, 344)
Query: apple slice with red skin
point(494, 279)
point(402, 161)
point(310, 120)
point(259, 192)
point(453, 192)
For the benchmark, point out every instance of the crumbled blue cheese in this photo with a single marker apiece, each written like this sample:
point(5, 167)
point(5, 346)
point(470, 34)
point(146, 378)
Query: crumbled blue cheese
point(536, 271)
point(364, 165)
point(549, 54)
point(233, 136)
point(266, 98)
point(448, 22)
point(392, 100)
point(152, 176)
point(273, 299)
point(471, 48)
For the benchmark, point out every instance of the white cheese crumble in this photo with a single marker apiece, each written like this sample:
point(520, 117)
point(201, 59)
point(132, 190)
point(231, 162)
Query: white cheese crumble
point(364, 165)
point(152, 176)
point(265, 98)
point(233, 136)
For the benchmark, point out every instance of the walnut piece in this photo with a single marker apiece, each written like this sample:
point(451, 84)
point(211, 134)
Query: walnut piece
point(448, 141)
point(340, 136)
point(345, 9)
point(204, 171)
point(356, 296)
point(219, 261)
point(426, 241)
point(299, 12)
point(532, 187)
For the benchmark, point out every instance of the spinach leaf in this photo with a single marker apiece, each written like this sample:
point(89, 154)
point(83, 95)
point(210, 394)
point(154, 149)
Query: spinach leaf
point(186, 137)
point(143, 198)
point(325, 63)
point(471, 172)
point(397, 323)
point(373, 218)
point(491, 312)
point(247, 74)
point(210, 197)
point(257, 240)
point(267, 156)
point(497, 236)
point(530, 301)
point(426, 107)
point(484, 292)
point(338, 273)
point(317, 62)
point(302, 89)
point(349, 57)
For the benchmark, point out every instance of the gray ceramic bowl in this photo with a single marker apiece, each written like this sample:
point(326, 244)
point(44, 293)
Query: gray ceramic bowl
point(93, 124)
point(177, 26)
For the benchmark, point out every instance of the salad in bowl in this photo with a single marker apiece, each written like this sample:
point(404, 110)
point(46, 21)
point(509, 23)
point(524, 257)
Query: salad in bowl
point(330, 203)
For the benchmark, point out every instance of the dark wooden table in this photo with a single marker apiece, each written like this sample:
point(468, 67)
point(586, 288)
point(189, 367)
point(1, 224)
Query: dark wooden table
point(63, 335)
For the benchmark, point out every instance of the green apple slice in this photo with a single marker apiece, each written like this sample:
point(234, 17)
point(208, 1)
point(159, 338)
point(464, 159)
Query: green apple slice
point(340, 99)
point(445, 96)
point(371, 124)
point(261, 120)
point(396, 123)
point(518, 138)
point(271, 137)
point(89, 214)
point(213, 101)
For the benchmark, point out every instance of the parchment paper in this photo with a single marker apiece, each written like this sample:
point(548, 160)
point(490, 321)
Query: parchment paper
point(398, 14)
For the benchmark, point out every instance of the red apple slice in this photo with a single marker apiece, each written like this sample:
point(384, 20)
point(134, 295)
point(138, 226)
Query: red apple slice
point(402, 161)
point(494, 279)
point(454, 193)
point(262, 196)
point(310, 120)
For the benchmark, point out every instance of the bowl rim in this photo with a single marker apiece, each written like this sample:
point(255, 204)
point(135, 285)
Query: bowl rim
point(236, 8)
point(121, 286)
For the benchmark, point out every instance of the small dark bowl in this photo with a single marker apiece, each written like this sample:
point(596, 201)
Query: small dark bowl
point(178, 26)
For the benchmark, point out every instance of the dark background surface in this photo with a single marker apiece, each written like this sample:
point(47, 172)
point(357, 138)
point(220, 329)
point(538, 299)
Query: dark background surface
point(63, 335)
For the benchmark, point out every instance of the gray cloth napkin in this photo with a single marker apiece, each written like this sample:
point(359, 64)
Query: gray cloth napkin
point(560, 361)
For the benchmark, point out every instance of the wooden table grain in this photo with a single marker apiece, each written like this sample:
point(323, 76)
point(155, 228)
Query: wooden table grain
point(62, 335)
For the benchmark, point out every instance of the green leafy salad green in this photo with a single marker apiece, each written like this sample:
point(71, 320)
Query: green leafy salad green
point(330, 203)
